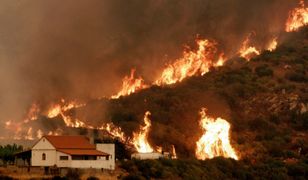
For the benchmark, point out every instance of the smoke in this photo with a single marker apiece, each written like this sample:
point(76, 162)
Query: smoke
point(82, 49)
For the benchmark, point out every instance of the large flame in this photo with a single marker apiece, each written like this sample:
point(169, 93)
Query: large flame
point(215, 140)
point(192, 63)
point(298, 17)
point(130, 84)
point(140, 139)
point(247, 51)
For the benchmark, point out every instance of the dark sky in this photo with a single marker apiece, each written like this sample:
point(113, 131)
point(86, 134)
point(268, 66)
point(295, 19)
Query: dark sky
point(79, 49)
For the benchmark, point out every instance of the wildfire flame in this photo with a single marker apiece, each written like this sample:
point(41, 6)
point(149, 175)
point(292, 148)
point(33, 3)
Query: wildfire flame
point(298, 17)
point(60, 109)
point(140, 139)
point(272, 45)
point(130, 84)
point(247, 51)
point(192, 63)
point(174, 156)
point(32, 113)
point(215, 140)
point(114, 131)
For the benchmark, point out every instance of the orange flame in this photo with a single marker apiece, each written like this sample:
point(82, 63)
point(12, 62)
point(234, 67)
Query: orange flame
point(215, 141)
point(174, 156)
point(298, 17)
point(32, 113)
point(130, 85)
point(114, 131)
point(247, 51)
point(29, 135)
point(39, 134)
point(192, 63)
point(60, 109)
point(140, 140)
point(57, 109)
point(272, 45)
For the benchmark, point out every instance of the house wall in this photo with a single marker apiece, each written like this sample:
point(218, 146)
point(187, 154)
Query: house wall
point(43, 146)
point(36, 159)
point(100, 163)
point(63, 163)
point(146, 155)
point(110, 149)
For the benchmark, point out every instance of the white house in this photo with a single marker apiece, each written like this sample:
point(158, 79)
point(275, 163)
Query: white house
point(73, 152)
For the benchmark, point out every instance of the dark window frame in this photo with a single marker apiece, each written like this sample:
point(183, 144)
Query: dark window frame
point(63, 158)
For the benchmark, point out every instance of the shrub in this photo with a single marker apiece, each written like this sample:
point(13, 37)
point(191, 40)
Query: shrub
point(296, 77)
point(263, 70)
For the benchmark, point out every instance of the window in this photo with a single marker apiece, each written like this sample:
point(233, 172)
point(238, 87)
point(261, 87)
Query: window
point(107, 158)
point(77, 157)
point(63, 157)
point(43, 156)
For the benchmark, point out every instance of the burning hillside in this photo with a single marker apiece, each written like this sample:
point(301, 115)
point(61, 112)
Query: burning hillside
point(216, 72)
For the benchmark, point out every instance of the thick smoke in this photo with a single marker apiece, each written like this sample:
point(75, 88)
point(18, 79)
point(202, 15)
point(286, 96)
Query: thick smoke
point(82, 49)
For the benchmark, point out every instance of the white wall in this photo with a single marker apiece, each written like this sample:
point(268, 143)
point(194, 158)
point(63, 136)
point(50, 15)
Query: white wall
point(109, 149)
point(43, 143)
point(63, 163)
point(147, 155)
point(36, 159)
point(43, 146)
point(91, 164)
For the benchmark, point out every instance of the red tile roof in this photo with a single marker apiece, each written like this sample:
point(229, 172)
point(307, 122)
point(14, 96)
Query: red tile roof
point(70, 142)
point(83, 152)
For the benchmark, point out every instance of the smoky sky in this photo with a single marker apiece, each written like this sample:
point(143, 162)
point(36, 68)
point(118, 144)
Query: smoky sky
point(77, 49)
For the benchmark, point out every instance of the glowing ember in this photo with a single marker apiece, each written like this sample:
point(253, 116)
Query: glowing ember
point(298, 17)
point(140, 140)
point(273, 45)
point(247, 51)
point(192, 63)
point(215, 141)
point(130, 85)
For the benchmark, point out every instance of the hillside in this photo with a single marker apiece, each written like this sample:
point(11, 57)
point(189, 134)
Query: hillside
point(265, 100)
